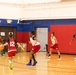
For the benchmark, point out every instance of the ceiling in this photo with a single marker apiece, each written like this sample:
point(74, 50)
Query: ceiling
point(68, 0)
point(28, 1)
point(32, 2)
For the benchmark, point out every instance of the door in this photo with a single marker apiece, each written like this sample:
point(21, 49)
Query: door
point(42, 36)
point(4, 31)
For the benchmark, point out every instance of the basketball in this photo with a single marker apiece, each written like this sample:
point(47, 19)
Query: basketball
point(1, 47)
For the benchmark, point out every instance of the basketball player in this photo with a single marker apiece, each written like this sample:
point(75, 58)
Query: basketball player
point(11, 49)
point(1, 42)
point(54, 45)
point(74, 36)
point(35, 48)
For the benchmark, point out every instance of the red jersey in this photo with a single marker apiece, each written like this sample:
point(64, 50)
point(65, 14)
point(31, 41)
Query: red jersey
point(11, 45)
point(1, 41)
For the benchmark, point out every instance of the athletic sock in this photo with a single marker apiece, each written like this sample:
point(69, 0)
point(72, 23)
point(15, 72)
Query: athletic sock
point(30, 61)
point(59, 56)
point(10, 65)
point(33, 58)
point(49, 55)
point(9, 61)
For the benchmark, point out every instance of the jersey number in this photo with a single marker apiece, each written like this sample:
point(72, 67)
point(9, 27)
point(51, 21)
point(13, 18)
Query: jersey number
point(12, 43)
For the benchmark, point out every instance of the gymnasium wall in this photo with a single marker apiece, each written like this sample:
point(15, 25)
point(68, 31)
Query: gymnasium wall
point(60, 10)
point(10, 11)
point(46, 10)
point(56, 16)
point(63, 29)
point(64, 34)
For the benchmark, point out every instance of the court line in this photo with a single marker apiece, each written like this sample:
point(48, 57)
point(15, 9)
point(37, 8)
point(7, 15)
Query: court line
point(34, 68)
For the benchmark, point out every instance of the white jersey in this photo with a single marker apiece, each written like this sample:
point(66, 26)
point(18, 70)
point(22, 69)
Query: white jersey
point(53, 40)
point(34, 42)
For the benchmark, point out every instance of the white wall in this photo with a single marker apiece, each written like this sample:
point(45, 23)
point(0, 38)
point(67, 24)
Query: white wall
point(10, 11)
point(50, 11)
point(28, 1)
point(63, 11)
point(15, 9)
point(38, 11)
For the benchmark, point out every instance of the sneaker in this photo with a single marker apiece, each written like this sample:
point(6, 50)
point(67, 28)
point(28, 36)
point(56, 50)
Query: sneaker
point(35, 62)
point(75, 58)
point(48, 57)
point(11, 66)
point(2, 54)
point(29, 64)
point(59, 58)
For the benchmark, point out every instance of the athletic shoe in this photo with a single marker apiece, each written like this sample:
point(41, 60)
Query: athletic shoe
point(11, 66)
point(35, 62)
point(2, 54)
point(75, 58)
point(48, 57)
point(59, 58)
point(29, 64)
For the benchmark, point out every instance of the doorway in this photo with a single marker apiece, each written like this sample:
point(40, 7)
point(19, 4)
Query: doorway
point(42, 36)
point(4, 31)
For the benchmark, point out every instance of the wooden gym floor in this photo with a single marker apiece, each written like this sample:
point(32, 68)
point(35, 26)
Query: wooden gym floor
point(53, 66)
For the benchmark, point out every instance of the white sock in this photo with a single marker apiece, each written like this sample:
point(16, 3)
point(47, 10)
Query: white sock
point(10, 61)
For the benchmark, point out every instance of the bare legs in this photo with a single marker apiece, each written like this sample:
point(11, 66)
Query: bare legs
point(51, 53)
point(10, 62)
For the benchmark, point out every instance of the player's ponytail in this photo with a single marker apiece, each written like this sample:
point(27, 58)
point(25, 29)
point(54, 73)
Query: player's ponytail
point(53, 33)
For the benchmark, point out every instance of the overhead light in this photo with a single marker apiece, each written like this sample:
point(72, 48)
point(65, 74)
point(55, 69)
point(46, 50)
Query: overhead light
point(55, 0)
point(9, 21)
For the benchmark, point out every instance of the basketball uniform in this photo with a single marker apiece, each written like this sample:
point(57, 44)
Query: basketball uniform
point(1, 41)
point(35, 44)
point(55, 44)
point(11, 47)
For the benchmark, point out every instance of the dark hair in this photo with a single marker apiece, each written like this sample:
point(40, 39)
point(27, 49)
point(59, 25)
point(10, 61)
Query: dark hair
point(53, 33)
point(10, 34)
point(32, 32)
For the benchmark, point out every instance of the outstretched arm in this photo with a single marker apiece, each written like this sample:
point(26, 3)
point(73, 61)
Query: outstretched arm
point(72, 40)
point(20, 46)
point(5, 44)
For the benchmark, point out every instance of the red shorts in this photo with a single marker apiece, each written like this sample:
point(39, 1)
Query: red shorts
point(36, 48)
point(11, 54)
point(55, 46)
